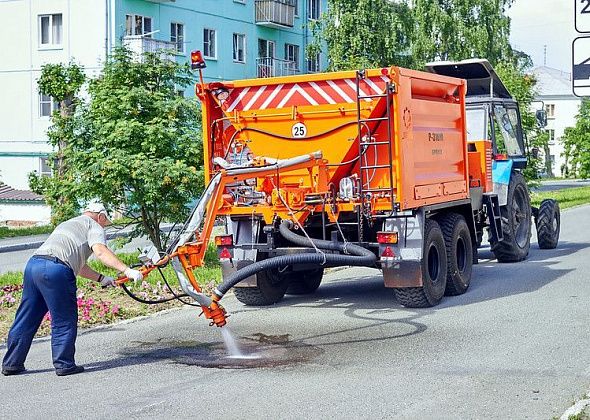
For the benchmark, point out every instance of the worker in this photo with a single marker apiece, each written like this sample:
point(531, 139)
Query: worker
point(50, 284)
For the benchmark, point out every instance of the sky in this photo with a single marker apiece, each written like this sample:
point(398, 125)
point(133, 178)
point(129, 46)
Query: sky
point(540, 23)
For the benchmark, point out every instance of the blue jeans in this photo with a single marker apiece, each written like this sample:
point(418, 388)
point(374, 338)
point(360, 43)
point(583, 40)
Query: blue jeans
point(48, 285)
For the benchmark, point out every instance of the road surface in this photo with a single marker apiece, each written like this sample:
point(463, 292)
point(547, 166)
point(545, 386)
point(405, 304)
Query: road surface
point(562, 184)
point(514, 346)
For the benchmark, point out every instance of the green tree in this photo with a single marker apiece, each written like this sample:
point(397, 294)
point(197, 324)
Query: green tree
point(576, 141)
point(63, 84)
point(140, 149)
point(460, 29)
point(364, 33)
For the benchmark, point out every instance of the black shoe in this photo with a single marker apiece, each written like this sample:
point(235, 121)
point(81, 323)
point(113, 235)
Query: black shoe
point(6, 371)
point(69, 371)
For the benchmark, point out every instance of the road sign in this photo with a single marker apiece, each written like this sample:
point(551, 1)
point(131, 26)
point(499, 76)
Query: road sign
point(582, 16)
point(581, 66)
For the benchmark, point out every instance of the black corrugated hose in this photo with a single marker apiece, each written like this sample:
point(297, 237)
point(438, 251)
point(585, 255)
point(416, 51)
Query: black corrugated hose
point(356, 256)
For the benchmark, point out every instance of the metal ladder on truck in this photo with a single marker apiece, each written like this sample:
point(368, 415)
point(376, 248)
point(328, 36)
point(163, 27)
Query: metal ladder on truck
point(366, 140)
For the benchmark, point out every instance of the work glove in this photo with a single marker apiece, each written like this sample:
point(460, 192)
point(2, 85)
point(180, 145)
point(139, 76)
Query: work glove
point(134, 275)
point(107, 281)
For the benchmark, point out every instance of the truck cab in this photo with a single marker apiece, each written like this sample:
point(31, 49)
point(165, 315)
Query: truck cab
point(492, 112)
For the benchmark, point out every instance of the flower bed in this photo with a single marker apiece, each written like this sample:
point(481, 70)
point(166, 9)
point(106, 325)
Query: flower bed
point(98, 306)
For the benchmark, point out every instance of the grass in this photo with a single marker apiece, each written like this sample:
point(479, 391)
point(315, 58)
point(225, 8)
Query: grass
point(567, 198)
point(6, 232)
point(103, 306)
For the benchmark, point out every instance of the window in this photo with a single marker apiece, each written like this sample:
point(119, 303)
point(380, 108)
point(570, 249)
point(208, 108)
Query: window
point(138, 25)
point(44, 169)
point(177, 36)
point(50, 30)
point(313, 64)
point(506, 126)
point(551, 133)
point(296, 4)
point(47, 105)
point(550, 110)
point(292, 55)
point(209, 47)
point(313, 9)
point(239, 48)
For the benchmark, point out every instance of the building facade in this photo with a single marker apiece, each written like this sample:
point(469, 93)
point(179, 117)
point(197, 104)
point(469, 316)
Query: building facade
point(239, 39)
point(555, 95)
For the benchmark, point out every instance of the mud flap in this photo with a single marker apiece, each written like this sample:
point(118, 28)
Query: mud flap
point(405, 268)
point(244, 232)
point(404, 274)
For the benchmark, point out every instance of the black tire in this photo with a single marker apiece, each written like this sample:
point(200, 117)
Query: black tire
point(516, 222)
point(434, 271)
point(548, 223)
point(270, 288)
point(459, 253)
point(305, 282)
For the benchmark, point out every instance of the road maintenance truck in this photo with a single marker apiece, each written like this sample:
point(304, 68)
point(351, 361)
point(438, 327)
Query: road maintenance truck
point(391, 168)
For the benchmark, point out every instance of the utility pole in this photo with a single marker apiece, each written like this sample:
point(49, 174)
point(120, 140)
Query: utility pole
point(545, 55)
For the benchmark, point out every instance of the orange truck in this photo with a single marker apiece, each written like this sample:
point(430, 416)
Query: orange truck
point(391, 168)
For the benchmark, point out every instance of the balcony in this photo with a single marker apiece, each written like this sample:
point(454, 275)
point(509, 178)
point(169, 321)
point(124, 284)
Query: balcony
point(273, 67)
point(275, 13)
point(139, 44)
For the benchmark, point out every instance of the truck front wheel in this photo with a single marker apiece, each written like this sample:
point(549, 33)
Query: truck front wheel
point(516, 222)
point(434, 271)
point(548, 224)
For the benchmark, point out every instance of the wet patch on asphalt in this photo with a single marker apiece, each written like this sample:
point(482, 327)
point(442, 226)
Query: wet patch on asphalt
point(265, 351)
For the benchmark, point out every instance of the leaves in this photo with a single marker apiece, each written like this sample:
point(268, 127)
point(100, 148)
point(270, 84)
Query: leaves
point(135, 145)
point(576, 141)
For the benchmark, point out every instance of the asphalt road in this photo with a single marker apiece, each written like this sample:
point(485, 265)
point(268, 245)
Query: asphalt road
point(514, 346)
point(562, 184)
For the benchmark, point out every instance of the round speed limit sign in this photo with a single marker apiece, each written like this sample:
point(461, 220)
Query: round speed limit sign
point(299, 130)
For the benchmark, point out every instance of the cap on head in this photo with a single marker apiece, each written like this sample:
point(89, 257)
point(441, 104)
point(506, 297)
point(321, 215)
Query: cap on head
point(97, 207)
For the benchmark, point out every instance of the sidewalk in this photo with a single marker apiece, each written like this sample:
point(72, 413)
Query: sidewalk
point(22, 243)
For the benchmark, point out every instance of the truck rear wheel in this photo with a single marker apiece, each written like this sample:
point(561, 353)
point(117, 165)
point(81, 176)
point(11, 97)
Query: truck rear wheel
point(434, 271)
point(305, 282)
point(516, 222)
point(548, 220)
point(459, 253)
point(270, 288)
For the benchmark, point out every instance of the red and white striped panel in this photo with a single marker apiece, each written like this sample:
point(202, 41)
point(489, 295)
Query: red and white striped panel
point(321, 92)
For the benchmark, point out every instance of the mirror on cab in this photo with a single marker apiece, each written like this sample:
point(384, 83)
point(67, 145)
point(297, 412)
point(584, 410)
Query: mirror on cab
point(541, 116)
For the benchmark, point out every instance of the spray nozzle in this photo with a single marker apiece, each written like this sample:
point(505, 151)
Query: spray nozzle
point(216, 313)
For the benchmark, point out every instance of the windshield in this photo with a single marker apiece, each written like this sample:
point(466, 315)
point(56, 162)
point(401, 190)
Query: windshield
point(477, 124)
point(506, 120)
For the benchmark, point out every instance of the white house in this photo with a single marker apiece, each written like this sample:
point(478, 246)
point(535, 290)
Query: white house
point(555, 95)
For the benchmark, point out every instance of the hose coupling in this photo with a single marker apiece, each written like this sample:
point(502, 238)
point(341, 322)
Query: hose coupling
point(216, 313)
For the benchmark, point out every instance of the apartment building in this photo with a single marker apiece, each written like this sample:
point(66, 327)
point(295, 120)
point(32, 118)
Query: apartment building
point(555, 95)
point(239, 39)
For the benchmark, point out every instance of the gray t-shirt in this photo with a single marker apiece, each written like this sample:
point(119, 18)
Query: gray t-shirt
point(72, 241)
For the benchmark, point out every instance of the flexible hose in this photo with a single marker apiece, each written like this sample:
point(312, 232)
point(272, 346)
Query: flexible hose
point(359, 257)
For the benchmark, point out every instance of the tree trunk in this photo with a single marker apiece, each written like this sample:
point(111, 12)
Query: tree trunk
point(548, 163)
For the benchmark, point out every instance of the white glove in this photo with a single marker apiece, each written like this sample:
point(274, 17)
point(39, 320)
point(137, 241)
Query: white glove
point(107, 281)
point(134, 275)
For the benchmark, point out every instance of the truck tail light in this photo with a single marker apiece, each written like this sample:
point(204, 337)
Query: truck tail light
point(197, 60)
point(224, 240)
point(387, 237)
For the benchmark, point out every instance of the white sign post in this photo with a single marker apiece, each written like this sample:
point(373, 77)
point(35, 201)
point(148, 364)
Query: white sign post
point(582, 16)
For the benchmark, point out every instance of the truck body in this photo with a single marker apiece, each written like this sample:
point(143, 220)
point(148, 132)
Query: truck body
point(398, 169)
